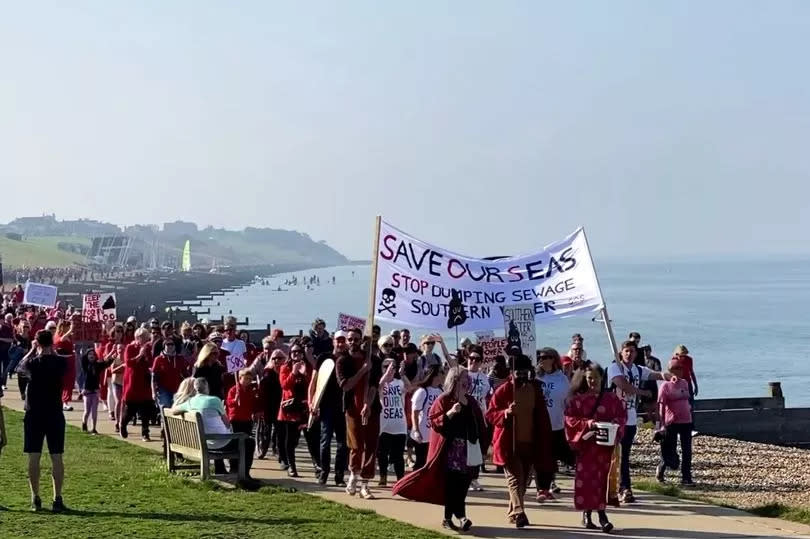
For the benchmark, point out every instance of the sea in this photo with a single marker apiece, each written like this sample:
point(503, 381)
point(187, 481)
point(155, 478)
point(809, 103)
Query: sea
point(745, 322)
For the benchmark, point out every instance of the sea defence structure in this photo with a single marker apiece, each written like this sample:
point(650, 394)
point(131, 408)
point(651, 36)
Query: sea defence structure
point(755, 419)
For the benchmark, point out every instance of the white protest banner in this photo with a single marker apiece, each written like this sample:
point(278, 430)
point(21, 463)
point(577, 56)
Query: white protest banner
point(42, 295)
point(484, 335)
point(99, 307)
point(347, 321)
point(520, 328)
point(493, 347)
point(419, 284)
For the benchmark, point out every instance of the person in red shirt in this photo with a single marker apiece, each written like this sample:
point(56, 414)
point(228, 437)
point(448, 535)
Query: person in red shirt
point(294, 411)
point(168, 371)
point(138, 398)
point(63, 346)
point(685, 360)
point(242, 404)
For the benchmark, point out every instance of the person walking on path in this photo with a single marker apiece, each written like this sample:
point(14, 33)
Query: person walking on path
point(270, 395)
point(242, 405)
point(455, 450)
point(522, 435)
point(330, 413)
point(675, 413)
point(358, 375)
point(63, 346)
point(687, 364)
point(137, 395)
point(555, 386)
point(293, 412)
point(626, 378)
point(588, 404)
point(393, 427)
point(44, 418)
point(423, 399)
point(93, 369)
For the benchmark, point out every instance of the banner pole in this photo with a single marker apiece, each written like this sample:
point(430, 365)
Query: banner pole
point(605, 317)
point(369, 329)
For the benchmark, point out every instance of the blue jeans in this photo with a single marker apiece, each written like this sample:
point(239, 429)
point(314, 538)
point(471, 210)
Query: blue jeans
point(627, 445)
point(333, 421)
point(165, 398)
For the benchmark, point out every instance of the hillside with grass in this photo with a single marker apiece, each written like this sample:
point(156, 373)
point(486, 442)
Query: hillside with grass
point(41, 251)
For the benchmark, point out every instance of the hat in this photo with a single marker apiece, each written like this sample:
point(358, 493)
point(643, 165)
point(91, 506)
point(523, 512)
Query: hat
point(565, 360)
point(382, 341)
point(132, 320)
point(50, 325)
point(465, 342)
point(214, 336)
point(340, 334)
point(426, 339)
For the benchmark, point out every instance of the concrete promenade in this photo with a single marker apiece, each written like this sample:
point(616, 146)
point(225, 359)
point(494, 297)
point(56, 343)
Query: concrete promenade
point(653, 516)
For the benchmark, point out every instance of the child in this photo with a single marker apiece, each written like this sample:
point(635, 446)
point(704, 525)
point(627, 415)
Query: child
point(92, 370)
point(675, 414)
point(241, 404)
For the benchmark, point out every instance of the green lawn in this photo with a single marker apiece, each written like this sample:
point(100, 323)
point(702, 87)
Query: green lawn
point(39, 251)
point(115, 489)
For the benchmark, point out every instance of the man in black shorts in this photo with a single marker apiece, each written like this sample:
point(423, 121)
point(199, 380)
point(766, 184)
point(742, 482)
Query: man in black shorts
point(44, 419)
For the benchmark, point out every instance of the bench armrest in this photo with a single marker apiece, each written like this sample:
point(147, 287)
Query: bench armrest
point(232, 436)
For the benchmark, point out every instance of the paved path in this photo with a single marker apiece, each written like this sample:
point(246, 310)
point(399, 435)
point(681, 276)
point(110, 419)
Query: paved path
point(653, 516)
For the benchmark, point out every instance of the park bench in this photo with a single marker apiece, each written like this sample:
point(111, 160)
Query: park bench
point(185, 435)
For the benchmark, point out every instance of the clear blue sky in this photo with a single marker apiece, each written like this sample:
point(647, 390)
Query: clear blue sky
point(665, 128)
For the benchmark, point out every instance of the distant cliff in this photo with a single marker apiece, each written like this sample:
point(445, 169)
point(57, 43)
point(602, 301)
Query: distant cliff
point(156, 246)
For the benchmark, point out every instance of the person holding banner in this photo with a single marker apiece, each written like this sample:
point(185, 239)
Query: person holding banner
point(521, 436)
point(358, 375)
point(393, 426)
point(455, 450)
point(589, 404)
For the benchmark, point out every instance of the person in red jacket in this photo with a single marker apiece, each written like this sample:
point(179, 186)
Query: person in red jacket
point(138, 397)
point(168, 371)
point(293, 413)
point(242, 404)
point(521, 437)
point(63, 346)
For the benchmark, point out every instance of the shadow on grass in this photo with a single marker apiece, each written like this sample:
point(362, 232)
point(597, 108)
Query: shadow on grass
point(175, 517)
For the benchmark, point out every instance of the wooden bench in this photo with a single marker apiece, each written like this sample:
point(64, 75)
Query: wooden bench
point(185, 434)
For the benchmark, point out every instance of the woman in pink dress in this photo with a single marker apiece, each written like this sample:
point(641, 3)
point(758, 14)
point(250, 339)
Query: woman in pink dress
point(587, 405)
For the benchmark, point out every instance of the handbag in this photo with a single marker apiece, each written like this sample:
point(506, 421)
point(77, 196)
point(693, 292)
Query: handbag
point(292, 406)
point(474, 456)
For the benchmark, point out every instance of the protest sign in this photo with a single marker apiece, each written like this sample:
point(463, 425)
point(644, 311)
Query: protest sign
point(42, 295)
point(419, 284)
point(86, 331)
point(493, 347)
point(520, 329)
point(484, 335)
point(347, 321)
point(99, 307)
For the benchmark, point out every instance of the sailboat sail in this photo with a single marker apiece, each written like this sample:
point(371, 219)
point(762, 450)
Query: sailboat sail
point(186, 264)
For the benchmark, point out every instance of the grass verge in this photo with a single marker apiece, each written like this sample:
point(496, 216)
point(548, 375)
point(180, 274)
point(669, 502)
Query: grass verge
point(771, 510)
point(116, 489)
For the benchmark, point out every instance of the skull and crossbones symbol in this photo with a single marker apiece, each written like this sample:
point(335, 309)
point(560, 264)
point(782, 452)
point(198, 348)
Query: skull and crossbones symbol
point(387, 302)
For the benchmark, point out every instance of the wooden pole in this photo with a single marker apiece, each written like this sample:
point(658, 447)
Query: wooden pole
point(369, 329)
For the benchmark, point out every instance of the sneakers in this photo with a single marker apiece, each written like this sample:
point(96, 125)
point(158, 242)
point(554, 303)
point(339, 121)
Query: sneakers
point(351, 486)
point(146, 438)
point(545, 496)
point(36, 504)
point(659, 472)
point(521, 521)
point(466, 524)
point(67, 408)
point(58, 505)
point(476, 486)
point(94, 432)
point(688, 483)
point(449, 525)
point(322, 479)
point(340, 483)
point(365, 493)
point(554, 488)
point(626, 496)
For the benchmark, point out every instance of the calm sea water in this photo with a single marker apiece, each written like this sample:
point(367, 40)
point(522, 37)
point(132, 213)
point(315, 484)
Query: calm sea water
point(744, 322)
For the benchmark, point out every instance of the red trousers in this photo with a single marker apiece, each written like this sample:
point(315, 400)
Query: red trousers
point(362, 441)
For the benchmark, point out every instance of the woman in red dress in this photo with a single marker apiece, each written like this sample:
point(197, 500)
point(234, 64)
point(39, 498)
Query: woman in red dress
point(588, 404)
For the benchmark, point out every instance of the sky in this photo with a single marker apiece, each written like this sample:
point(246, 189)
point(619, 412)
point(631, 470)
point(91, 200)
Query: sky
point(667, 130)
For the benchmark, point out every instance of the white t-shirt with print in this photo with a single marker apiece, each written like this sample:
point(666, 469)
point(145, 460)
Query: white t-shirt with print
point(634, 374)
point(422, 401)
point(479, 388)
point(392, 417)
point(555, 390)
point(237, 349)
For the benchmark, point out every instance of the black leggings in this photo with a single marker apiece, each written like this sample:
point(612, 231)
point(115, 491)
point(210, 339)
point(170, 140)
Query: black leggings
point(455, 496)
point(421, 451)
point(288, 436)
point(391, 449)
point(562, 452)
point(143, 409)
point(313, 438)
point(250, 444)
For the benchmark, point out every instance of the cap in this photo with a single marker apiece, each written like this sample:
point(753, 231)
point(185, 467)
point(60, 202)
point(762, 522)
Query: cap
point(340, 334)
point(214, 336)
point(565, 360)
point(132, 320)
point(50, 325)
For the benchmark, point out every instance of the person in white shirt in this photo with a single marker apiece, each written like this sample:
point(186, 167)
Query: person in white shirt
point(393, 425)
point(626, 378)
point(480, 390)
point(423, 399)
point(555, 385)
point(234, 345)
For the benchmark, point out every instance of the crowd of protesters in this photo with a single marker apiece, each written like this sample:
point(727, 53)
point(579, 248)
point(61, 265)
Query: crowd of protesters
point(394, 408)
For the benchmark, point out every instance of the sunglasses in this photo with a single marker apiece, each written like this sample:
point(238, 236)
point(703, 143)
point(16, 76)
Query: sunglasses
point(544, 356)
point(388, 345)
point(475, 357)
point(430, 343)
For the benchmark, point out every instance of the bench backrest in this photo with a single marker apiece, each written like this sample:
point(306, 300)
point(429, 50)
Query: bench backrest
point(184, 431)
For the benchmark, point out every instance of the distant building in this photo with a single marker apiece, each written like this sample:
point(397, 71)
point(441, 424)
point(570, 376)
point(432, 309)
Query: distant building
point(179, 228)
